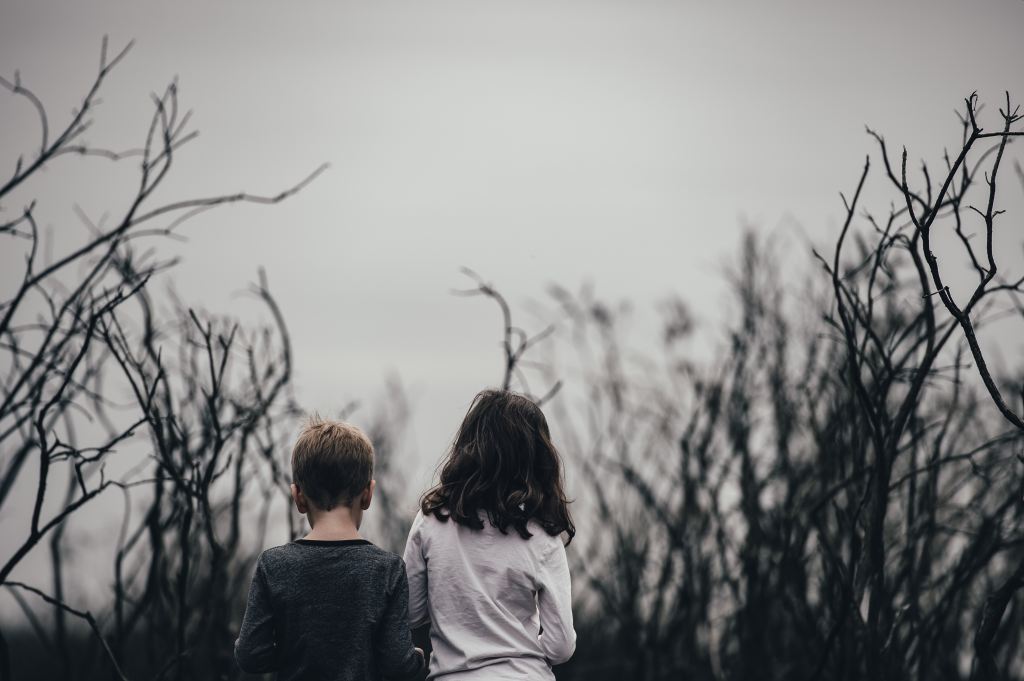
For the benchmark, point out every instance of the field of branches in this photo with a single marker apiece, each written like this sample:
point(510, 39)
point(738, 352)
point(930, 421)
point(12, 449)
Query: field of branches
point(834, 491)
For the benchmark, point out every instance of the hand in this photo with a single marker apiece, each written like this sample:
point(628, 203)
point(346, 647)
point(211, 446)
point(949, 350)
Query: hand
point(423, 668)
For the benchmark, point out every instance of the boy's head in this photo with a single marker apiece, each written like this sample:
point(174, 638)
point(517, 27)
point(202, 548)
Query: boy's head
point(332, 464)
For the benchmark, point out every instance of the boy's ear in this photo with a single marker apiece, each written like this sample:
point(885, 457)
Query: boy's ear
point(368, 495)
point(301, 505)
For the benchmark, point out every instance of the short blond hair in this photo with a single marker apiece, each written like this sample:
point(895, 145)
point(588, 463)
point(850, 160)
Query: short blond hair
point(332, 462)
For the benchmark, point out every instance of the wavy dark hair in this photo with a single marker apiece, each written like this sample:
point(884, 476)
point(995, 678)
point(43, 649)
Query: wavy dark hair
point(502, 462)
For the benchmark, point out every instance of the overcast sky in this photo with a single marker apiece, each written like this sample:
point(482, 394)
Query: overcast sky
point(623, 143)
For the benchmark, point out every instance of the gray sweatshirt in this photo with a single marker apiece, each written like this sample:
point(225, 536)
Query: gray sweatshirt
point(331, 610)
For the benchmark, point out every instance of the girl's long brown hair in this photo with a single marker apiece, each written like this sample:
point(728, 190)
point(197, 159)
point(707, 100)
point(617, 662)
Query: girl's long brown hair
point(502, 462)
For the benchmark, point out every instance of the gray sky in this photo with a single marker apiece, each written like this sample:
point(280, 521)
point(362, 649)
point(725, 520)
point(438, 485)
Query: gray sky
point(623, 143)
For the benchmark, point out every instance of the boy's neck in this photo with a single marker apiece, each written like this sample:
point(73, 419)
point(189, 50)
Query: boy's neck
point(340, 523)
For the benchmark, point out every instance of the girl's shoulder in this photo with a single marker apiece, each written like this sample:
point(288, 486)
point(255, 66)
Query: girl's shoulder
point(416, 529)
point(426, 525)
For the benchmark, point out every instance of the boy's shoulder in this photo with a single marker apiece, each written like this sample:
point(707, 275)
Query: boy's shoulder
point(303, 550)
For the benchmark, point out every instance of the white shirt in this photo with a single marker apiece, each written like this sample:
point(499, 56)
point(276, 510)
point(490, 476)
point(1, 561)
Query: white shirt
point(487, 596)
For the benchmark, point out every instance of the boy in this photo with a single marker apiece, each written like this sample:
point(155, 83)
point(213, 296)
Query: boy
point(331, 605)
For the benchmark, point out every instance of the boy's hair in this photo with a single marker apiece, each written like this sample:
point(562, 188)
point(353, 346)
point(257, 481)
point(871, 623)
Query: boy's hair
point(332, 462)
point(503, 463)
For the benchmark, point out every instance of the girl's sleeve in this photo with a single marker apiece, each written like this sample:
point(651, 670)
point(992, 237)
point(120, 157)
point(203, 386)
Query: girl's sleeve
point(554, 601)
point(255, 651)
point(416, 569)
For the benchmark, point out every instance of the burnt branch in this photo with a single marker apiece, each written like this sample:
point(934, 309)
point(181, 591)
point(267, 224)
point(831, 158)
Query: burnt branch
point(515, 342)
point(199, 438)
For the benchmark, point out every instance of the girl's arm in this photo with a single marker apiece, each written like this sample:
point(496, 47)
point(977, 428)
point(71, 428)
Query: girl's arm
point(554, 601)
point(416, 569)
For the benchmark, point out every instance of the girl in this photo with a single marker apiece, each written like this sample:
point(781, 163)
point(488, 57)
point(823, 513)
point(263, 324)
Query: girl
point(485, 559)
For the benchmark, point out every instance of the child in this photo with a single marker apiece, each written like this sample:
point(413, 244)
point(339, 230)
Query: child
point(331, 605)
point(487, 566)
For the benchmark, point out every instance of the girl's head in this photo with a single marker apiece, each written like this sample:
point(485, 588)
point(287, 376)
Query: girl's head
point(502, 462)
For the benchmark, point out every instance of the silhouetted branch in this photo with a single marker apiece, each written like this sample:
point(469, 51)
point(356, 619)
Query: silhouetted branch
point(515, 342)
point(82, 614)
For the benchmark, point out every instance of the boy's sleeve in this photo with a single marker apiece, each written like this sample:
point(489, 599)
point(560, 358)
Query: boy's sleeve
point(416, 569)
point(554, 602)
point(396, 656)
point(255, 651)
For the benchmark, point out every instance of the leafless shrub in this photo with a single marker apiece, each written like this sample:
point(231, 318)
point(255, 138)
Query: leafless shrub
point(820, 502)
point(80, 332)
